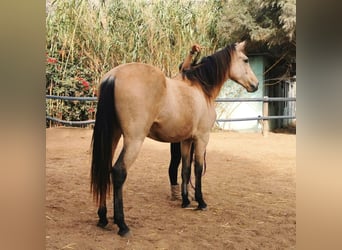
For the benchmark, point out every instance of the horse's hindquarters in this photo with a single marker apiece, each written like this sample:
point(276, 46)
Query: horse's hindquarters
point(139, 90)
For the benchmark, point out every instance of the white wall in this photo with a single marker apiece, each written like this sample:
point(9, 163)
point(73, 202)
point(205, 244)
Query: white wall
point(229, 110)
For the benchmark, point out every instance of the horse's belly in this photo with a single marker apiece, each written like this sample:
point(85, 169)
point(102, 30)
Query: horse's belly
point(167, 133)
point(163, 138)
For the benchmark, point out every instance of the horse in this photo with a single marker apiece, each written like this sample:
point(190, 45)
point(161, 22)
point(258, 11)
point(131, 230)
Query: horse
point(137, 100)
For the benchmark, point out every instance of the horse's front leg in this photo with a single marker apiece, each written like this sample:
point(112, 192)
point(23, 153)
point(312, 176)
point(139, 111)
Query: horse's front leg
point(198, 186)
point(200, 148)
point(186, 170)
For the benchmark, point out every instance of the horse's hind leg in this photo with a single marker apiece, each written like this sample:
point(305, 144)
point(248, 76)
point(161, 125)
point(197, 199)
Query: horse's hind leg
point(127, 156)
point(102, 210)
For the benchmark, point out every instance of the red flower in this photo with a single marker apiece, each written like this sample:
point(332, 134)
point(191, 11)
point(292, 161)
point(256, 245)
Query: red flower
point(51, 60)
point(91, 110)
point(85, 84)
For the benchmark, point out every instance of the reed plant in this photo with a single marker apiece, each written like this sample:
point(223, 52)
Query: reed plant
point(85, 39)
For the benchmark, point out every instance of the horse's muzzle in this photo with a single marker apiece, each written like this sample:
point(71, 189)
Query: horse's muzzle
point(253, 88)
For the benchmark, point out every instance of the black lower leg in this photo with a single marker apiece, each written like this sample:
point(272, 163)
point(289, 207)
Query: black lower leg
point(198, 186)
point(102, 213)
point(119, 219)
point(174, 162)
point(119, 176)
point(185, 180)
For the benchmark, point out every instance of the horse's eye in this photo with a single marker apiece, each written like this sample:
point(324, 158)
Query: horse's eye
point(245, 60)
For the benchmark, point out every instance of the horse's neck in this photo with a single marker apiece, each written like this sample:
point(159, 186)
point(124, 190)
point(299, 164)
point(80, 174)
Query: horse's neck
point(216, 90)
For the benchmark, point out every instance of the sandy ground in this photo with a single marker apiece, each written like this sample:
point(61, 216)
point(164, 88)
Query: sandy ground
point(249, 186)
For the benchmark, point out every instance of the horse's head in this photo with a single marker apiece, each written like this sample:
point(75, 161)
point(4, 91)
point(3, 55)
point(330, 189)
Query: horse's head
point(240, 70)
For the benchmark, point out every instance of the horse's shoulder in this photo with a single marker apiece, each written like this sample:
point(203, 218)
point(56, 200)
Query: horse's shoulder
point(178, 80)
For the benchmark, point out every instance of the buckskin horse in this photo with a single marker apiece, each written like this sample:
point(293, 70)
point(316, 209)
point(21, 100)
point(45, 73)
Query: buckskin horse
point(137, 100)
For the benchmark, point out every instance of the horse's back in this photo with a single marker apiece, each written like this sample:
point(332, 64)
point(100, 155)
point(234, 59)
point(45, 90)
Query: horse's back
point(139, 91)
point(137, 73)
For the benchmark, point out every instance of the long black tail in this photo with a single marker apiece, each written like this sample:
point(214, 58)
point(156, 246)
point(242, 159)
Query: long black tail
point(102, 139)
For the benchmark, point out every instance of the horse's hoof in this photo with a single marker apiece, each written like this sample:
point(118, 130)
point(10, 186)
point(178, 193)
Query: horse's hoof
point(185, 204)
point(102, 223)
point(125, 232)
point(202, 207)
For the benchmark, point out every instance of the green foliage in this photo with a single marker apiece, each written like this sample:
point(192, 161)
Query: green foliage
point(268, 21)
point(269, 24)
point(73, 84)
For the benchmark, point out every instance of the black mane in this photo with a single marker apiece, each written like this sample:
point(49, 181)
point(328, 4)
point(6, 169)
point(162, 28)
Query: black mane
point(211, 70)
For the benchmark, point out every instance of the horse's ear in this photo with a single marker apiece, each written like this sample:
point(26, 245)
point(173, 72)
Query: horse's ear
point(241, 46)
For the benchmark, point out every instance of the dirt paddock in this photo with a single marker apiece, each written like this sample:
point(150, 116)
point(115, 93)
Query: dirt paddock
point(249, 186)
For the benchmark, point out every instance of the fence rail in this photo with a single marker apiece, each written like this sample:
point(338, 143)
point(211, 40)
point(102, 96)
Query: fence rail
point(265, 100)
point(257, 118)
point(260, 99)
point(71, 98)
